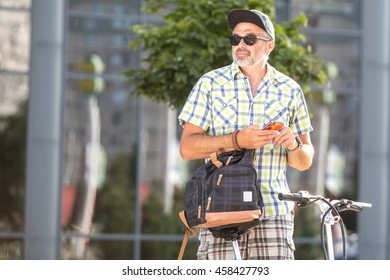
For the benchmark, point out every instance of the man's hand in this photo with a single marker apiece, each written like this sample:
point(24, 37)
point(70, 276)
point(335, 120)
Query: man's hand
point(253, 137)
point(285, 138)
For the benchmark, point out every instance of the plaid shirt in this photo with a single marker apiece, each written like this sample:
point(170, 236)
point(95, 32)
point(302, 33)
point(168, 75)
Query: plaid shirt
point(221, 102)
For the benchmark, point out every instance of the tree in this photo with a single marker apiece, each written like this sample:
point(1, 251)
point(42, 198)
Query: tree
point(194, 40)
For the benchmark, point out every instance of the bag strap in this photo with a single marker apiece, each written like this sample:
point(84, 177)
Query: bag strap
point(188, 233)
point(248, 157)
point(242, 157)
point(215, 161)
point(183, 245)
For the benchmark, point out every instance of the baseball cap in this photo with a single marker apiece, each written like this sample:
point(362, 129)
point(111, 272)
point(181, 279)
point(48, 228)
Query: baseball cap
point(251, 16)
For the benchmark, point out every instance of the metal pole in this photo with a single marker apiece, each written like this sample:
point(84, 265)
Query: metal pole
point(170, 156)
point(323, 149)
point(140, 154)
point(91, 175)
point(374, 167)
point(44, 143)
point(236, 250)
point(329, 241)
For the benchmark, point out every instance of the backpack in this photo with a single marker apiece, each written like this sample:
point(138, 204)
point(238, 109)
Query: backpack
point(223, 196)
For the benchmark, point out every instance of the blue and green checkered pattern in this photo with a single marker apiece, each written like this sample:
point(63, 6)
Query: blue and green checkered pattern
point(221, 102)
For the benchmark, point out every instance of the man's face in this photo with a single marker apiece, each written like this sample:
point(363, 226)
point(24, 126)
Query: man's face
point(247, 56)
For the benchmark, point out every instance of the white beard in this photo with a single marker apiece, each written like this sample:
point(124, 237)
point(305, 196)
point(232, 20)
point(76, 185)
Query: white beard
point(248, 61)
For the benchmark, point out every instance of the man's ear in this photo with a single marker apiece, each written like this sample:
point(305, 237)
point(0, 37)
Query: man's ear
point(270, 46)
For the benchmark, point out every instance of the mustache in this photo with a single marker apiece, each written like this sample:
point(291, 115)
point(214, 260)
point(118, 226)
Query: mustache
point(242, 50)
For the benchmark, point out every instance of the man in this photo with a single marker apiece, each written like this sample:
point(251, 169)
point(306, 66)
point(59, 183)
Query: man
point(228, 109)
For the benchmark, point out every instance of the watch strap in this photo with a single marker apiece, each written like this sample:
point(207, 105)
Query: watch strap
point(300, 145)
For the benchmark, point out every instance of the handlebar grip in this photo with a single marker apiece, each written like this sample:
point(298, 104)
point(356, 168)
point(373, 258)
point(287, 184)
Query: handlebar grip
point(302, 197)
point(362, 204)
point(290, 196)
point(347, 204)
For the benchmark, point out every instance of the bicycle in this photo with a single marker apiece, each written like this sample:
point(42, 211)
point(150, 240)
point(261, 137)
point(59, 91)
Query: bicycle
point(330, 215)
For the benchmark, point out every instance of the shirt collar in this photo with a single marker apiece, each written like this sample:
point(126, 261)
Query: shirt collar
point(235, 71)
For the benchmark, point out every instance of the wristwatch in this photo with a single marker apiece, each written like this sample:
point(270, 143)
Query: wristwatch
point(300, 144)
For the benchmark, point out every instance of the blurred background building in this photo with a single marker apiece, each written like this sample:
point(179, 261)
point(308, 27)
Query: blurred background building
point(114, 186)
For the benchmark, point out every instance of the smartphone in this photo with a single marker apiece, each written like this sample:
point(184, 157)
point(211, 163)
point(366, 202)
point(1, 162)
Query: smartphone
point(274, 126)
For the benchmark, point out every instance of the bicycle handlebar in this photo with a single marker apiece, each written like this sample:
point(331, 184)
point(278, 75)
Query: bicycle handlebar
point(347, 204)
point(330, 215)
point(303, 197)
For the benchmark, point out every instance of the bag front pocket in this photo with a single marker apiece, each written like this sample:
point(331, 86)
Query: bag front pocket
point(194, 202)
point(235, 190)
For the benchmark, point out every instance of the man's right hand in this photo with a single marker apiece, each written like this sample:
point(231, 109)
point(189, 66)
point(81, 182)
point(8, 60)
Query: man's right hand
point(253, 137)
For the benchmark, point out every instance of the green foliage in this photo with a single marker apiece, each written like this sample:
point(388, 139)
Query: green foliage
point(194, 40)
point(115, 214)
point(155, 221)
point(115, 208)
point(307, 224)
point(292, 58)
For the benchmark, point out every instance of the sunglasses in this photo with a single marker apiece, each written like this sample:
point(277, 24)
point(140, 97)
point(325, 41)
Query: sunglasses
point(249, 40)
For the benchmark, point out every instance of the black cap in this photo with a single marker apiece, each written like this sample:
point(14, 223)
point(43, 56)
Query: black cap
point(252, 16)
